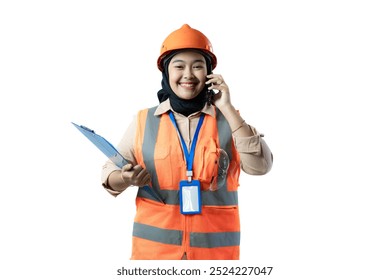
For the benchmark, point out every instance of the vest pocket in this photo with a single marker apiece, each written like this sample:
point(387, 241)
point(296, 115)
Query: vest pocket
point(208, 165)
point(169, 167)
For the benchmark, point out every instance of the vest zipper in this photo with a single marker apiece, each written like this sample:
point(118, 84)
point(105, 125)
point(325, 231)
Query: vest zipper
point(186, 240)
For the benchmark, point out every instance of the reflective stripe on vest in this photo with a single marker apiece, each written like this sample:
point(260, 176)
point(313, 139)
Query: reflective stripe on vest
point(167, 236)
point(221, 197)
point(214, 239)
point(175, 237)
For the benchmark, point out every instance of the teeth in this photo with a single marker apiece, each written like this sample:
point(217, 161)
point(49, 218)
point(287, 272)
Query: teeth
point(188, 85)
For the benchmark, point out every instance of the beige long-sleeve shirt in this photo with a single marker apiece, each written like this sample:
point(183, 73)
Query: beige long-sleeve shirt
point(255, 155)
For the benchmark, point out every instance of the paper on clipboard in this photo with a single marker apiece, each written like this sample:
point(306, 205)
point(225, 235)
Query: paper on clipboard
point(110, 151)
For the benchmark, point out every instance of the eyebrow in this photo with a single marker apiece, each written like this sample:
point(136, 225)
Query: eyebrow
point(195, 61)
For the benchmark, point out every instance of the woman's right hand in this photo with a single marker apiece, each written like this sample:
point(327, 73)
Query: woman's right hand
point(135, 175)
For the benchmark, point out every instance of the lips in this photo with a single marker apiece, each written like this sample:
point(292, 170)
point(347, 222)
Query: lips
point(188, 85)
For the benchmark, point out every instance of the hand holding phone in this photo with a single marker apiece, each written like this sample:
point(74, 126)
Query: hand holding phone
point(218, 91)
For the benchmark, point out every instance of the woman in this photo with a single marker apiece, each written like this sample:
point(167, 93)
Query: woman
point(186, 155)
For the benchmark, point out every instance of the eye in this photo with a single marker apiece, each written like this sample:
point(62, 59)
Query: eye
point(199, 66)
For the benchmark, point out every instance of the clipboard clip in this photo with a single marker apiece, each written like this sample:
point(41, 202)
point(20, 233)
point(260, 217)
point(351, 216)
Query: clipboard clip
point(86, 128)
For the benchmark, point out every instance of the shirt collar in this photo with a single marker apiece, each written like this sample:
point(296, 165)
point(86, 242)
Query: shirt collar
point(165, 106)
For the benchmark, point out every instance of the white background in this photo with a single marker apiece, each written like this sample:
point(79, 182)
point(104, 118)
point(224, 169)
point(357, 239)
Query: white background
point(312, 75)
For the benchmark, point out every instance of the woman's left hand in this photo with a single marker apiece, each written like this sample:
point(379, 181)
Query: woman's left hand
point(216, 82)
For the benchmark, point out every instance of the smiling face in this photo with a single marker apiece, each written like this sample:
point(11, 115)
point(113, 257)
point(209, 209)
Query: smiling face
point(187, 74)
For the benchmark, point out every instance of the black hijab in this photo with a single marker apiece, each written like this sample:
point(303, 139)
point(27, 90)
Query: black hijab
point(183, 106)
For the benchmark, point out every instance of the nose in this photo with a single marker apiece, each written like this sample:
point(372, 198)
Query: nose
point(188, 74)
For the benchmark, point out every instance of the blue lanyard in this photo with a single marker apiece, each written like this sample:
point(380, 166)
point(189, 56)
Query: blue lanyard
point(188, 155)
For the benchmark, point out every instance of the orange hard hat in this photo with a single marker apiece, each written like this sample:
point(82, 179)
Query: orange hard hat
point(186, 38)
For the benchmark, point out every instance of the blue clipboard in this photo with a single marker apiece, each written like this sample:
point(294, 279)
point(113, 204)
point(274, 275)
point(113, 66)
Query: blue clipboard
point(111, 152)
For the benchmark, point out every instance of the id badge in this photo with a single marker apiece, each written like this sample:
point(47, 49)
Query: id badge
point(190, 200)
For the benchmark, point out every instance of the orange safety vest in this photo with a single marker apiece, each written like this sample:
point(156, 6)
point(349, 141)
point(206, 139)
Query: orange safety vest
point(160, 231)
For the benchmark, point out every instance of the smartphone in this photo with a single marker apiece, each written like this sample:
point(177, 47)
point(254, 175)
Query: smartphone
point(210, 94)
